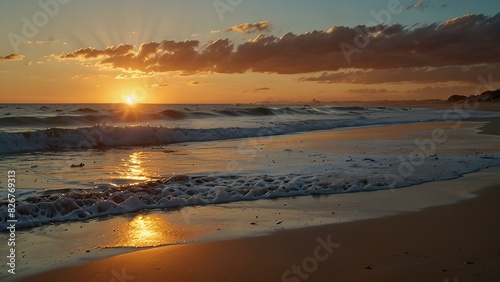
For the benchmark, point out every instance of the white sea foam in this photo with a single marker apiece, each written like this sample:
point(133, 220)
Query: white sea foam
point(49, 206)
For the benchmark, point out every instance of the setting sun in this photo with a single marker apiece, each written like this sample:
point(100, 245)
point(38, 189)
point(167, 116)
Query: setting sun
point(130, 100)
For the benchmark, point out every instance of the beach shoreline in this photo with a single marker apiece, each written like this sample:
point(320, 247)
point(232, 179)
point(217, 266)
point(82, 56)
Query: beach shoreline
point(213, 250)
point(438, 243)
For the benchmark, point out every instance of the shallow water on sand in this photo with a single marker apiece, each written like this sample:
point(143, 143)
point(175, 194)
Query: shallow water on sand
point(58, 186)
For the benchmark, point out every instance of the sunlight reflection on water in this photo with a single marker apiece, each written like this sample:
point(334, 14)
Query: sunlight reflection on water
point(147, 231)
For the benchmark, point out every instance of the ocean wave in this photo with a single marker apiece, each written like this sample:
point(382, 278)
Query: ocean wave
point(86, 116)
point(103, 134)
point(172, 114)
point(85, 110)
point(107, 136)
point(52, 120)
point(351, 108)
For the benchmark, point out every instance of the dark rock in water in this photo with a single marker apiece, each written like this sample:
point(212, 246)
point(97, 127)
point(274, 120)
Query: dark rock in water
point(77, 165)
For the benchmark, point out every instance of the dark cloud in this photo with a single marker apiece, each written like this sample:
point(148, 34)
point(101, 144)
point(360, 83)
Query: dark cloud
point(464, 41)
point(11, 57)
point(255, 90)
point(467, 74)
point(250, 27)
point(262, 89)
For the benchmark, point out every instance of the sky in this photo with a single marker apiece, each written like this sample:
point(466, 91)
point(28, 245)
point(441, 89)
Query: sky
point(246, 51)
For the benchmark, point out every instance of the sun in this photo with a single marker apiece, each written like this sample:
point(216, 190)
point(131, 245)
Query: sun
point(130, 100)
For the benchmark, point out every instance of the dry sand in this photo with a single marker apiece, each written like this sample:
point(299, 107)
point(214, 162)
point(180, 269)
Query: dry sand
point(458, 242)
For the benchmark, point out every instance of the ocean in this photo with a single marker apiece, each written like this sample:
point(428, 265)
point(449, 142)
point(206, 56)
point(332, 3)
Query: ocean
point(75, 162)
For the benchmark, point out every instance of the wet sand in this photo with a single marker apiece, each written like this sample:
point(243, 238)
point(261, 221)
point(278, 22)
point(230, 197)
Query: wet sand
point(457, 242)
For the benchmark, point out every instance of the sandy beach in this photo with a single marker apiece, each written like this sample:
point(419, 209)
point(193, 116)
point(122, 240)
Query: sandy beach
point(453, 240)
point(457, 242)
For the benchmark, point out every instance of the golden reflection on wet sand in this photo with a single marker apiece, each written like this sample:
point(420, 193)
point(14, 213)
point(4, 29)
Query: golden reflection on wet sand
point(149, 231)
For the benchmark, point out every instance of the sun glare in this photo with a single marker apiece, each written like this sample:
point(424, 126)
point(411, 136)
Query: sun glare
point(130, 100)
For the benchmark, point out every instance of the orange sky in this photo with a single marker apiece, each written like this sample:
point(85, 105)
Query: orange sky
point(229, 54)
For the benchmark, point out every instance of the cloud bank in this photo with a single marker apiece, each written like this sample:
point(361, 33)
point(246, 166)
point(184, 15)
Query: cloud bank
point(466, 74)
point(394, 53)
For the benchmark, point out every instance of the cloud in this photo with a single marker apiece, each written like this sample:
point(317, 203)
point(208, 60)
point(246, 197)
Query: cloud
point(83, 77)
point(11, 57)
point(47, 40)
point(250, 27)
point(159, 85)
point(4, 73)
point(257, 90)
point(261, 89)
point(212, 32)
point(464, 41)
point(418, 5)
point(465, 74)
point(133, 75)
point(92, 53)
point(369, 91)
